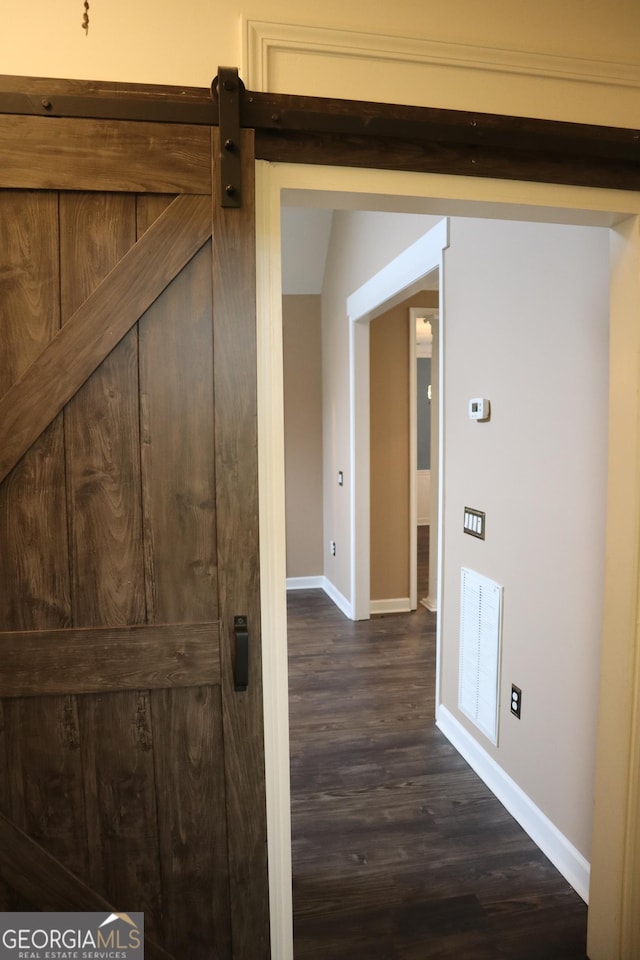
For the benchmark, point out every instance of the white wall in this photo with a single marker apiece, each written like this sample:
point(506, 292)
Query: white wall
point(526, 325)
point(361, 244)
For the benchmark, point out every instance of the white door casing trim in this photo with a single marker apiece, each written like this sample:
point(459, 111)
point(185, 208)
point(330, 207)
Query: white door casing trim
point(617, 788)
point(264, 40)
point(394, 283)
point(331, 62)
point(423, 493)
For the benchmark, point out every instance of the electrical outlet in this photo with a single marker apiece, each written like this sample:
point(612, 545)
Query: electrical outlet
point(332, 547)
point(516, 700)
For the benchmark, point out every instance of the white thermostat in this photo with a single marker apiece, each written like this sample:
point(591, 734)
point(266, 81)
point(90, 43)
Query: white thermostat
point(479, 408)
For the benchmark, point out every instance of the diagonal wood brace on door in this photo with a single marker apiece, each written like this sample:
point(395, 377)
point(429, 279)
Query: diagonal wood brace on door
point(226, 88)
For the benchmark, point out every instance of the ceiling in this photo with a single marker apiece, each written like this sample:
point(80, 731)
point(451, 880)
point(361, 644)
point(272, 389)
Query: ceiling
point(306, 233)
point(305, 241)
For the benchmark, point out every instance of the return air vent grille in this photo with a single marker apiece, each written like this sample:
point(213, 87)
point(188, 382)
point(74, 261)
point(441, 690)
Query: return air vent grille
point(480, 633)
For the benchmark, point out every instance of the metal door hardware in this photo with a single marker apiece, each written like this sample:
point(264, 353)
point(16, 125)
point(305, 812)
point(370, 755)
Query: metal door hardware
point(227, 87)
point(241, 669)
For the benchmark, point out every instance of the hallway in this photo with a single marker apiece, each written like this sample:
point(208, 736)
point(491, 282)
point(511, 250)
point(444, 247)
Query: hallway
point(399, 851)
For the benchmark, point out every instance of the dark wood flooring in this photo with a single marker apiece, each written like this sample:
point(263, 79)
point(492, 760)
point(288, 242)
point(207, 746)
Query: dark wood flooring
point(399, 851)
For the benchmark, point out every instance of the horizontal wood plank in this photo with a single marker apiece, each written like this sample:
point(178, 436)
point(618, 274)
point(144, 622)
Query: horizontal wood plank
point(302, 129)
point(41, 879)
point(51, 662)
point(42, 87)
point(284, 113)
point(99, 324)
point(62, 153)
point(448, 158)
point(287, 113)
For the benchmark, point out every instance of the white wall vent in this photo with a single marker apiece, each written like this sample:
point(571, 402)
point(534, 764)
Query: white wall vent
point(480, 633)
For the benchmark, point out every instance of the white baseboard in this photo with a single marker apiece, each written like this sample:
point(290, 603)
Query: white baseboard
point(305, 583)
point(322, 583)
point(430, 604)
point(398, 605)
point(340, 601)
point(563, 855)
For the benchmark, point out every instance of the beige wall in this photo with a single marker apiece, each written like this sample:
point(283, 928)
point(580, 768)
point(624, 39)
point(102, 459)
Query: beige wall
point(302, 363)
point(526, 316)
point(525, 323)
point(389, 427)
point(183, 43)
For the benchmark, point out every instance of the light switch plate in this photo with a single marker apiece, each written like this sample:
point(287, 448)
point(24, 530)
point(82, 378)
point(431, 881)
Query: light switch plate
point(474, 522)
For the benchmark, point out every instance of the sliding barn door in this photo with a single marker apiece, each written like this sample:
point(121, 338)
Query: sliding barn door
point(131, 769)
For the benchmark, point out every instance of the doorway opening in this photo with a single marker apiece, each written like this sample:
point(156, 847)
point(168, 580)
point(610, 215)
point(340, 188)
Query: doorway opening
point(424, 333)
point(402, 277)
point(593, 218)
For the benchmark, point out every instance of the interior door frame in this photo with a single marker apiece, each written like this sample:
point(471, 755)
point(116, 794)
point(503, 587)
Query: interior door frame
point(398, 280)
point(472, 158)
point(611, 925)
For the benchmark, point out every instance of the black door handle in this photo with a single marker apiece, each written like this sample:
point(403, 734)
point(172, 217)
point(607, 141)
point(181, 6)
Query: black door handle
point(241, 672)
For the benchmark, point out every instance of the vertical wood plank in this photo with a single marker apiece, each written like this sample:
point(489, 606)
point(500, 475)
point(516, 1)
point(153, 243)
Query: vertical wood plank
point(192, 820)
point(5, 806)
point(39, 762)
point(102, 429)
point(34, 588)
point(121, 803)
point(9, 899)
point(34, 569)
point(238, 559)
point(177, 454)
point(107, 570)
point(29, 308)
point(46, 777)
point(180, 550)
point(149, 206)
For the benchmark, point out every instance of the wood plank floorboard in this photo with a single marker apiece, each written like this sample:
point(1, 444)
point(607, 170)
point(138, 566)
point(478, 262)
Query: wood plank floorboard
point(400, 852)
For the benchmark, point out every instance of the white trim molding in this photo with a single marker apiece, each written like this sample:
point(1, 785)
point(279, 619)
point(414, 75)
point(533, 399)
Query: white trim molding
point(560, 851)
point(305, 583)
point(323, 583)
point(318, 61)
point(423, 498)
point(338, 598)
point(273, 565)
point(398, 605)
point(262, 39)
point(401, 277)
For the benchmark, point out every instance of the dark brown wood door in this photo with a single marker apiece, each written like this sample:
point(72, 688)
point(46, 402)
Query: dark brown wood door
point(131, 771)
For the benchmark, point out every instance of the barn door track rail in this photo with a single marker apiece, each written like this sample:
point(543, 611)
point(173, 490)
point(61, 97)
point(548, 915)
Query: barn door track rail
point(300, 129)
